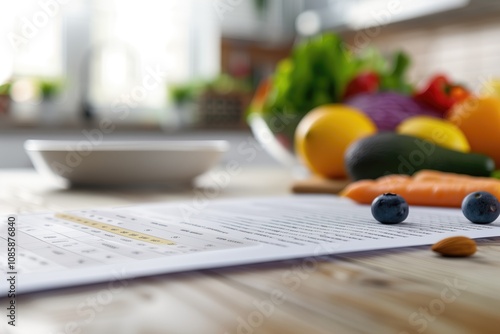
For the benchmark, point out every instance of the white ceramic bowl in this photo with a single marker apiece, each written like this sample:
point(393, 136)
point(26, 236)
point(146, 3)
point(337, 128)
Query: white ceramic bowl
point(125, 162)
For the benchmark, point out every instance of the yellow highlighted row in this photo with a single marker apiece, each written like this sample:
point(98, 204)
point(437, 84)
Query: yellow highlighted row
point(115, 229)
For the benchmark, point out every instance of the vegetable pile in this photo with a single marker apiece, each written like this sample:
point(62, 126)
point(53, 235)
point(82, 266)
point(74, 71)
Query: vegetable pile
point(360, 117)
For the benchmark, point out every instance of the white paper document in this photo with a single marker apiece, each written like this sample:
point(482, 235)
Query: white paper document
point(62, 249)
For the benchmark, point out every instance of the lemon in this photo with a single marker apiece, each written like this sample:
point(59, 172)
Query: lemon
point(323, 135)
point(438, 131)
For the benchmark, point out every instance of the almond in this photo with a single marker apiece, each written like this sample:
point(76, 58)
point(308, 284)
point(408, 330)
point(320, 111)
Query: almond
point(455, 247)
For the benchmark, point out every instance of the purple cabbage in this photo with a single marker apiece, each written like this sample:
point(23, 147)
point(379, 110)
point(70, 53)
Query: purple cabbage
point(388, 109)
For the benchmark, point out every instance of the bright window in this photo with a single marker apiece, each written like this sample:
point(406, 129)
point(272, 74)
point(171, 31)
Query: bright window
point(31, 43)
point(106, 49)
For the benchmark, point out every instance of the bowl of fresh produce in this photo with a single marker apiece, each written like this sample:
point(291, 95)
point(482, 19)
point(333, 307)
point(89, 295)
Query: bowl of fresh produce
point(320, 71)
point(323, 98)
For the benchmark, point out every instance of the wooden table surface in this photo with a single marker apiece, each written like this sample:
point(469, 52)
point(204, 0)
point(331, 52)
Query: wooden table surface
point(395, 291)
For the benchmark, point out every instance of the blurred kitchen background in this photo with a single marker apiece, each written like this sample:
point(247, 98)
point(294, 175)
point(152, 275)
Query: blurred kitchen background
point(187, 69)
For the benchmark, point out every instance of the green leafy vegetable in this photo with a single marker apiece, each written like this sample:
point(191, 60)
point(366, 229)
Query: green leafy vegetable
point(315, 74)
point(319, 70)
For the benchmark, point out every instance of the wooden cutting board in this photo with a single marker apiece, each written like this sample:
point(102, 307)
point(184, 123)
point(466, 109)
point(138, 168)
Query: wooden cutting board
point(317, 185)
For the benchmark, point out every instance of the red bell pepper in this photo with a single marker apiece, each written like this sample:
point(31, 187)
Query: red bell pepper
point(441, 94)
point(367, 82)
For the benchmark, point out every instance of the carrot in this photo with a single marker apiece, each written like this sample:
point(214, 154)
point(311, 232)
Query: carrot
point(362, 191)
point(437, 176)
point(428, 193)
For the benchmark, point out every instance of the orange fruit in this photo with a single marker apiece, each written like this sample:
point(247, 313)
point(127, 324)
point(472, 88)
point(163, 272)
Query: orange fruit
point(324, 134)
point(479, 120)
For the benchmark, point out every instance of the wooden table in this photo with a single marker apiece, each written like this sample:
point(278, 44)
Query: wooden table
point(395, 291)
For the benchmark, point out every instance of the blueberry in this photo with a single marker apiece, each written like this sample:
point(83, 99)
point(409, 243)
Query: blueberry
point(390, 208)
point(481, 207)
